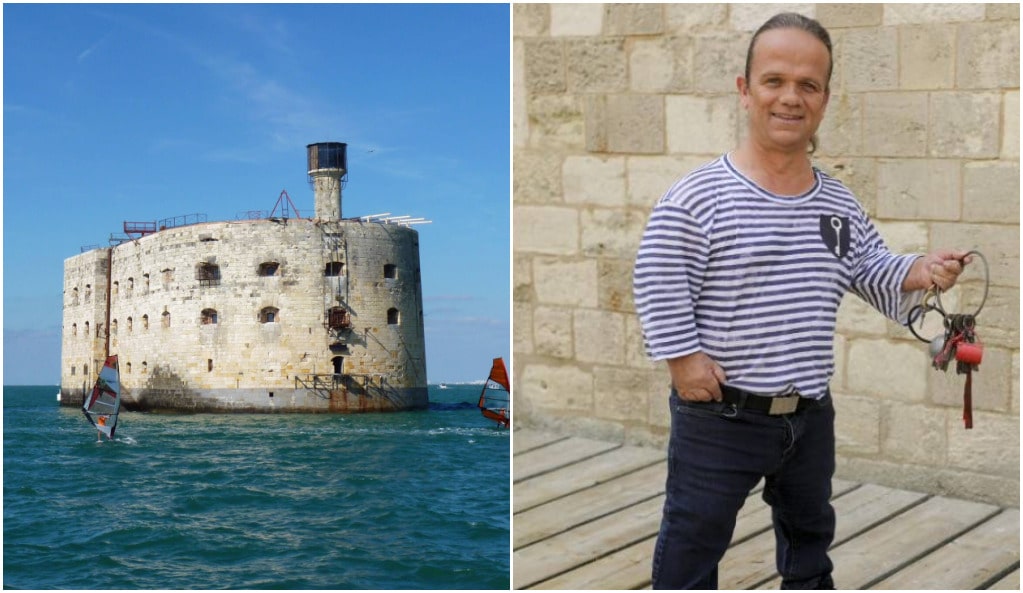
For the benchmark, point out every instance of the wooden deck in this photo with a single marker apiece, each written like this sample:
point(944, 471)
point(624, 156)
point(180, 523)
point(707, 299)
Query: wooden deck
point(586, 515)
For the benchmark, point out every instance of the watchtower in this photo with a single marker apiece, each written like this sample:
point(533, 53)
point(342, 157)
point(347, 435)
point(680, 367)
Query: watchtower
point(328, 172)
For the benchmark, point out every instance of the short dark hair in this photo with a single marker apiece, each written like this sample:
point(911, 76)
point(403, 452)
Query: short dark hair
point(792, 20)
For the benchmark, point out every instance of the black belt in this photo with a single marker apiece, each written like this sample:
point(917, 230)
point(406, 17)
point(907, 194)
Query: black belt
point(774, 406)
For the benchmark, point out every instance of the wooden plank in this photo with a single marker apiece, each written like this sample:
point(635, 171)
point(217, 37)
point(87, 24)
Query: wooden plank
point(544, 459)
point(584, 474)
point(585, 543)
point(1009, 581)
point(967, 562)
point(564, 513)
point(895, 543)
point(628, 568)
point(752, 562)
point(525, 439)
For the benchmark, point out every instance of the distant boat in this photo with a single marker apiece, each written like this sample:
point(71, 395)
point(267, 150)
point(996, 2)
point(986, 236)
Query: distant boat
point(496, 395)
point(442, 386)
point(104, 404)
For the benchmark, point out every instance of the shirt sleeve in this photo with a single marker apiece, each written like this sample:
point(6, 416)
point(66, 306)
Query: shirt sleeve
point(667, 278)
point(879, 274)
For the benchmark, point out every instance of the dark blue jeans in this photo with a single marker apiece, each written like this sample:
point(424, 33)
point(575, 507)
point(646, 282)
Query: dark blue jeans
point(716, 455)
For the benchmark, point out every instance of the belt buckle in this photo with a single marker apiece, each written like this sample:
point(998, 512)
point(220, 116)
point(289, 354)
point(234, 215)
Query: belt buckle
point(783, 405)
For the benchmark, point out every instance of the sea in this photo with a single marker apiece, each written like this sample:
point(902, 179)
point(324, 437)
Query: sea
point(408, 500)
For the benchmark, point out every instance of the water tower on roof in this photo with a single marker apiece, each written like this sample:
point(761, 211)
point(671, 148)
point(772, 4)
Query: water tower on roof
point(328, 172)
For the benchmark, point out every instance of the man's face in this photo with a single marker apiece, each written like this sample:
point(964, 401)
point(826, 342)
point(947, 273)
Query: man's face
point(786, 93)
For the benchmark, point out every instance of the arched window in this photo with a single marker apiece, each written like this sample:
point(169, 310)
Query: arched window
point(74, 296)
point(145, 367)
point(268, 315)
point(393, 316)
point(390, 271)
point(129, 368)
point(334, 268)
point(338, 363)
point(86, 329)
point(113, 327)
point(145, 322)
point(85, 370)
point(166, 318)
point(208, 274)
point(72, 370)
point(145, 282)
point(88, 292)
point(116, 288)
point(129, 325)
point(208, 317)
point(268, 268)
point(209, 365)
point(131, 286)
point(74, 330)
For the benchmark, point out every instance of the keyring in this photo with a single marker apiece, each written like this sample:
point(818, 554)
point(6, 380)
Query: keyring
point(917, 312)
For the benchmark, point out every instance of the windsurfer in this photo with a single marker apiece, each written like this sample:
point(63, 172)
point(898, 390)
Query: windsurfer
point(101, 422)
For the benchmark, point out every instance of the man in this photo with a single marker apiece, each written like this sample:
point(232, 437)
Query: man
point(738, 280)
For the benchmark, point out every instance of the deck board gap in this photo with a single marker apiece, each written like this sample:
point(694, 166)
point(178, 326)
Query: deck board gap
point(590, 486)
point(928, 550)
point(591, 519)
point(568, 464)
point(999, 575)
point(880, 521)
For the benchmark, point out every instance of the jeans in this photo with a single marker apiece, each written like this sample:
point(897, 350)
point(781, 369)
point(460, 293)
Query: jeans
point(716, 455)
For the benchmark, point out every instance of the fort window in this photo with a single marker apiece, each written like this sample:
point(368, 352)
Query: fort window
point(207, 274)
point(72, 370)
point(74, 329)
point(88, 292)
point(334, 268)
point(131, 286)
point(145, 322)
point(268, 268)
point(168, 277)
point(390, 271)
point(145, 282)
point(129, 368)
point(99, 330)
point(86, 329)
point(113, 327)
point(145, 367)
point(74, 296)
point(338, 318)
point(114, 290)
point(393, 316)
point(166, 318)
point(268, 315)
point(209, 365)
point(85, 370)
point(129, 325)
point(339, 364)
point(208, 317)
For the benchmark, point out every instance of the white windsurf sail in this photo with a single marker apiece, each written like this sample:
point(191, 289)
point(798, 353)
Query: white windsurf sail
point(103, 405)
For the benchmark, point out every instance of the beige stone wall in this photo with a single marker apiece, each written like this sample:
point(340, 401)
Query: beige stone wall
point(612, 103)
point(239, 359)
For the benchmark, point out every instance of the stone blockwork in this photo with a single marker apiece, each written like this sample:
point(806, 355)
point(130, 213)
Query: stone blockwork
point(234, 316)
point(612, 103)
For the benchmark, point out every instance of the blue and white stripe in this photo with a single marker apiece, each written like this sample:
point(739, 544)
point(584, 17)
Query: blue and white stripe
point(745, 276)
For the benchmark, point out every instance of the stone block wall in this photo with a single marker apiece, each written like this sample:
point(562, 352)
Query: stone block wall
point(613, 103)
point(188, 343)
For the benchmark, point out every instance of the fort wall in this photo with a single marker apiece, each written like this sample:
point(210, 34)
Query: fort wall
point(300, 315)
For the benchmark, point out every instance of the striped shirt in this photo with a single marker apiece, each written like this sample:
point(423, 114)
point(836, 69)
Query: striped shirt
point(754, 279)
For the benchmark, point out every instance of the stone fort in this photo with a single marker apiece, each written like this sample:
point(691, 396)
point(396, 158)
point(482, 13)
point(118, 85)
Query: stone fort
point(269, 314)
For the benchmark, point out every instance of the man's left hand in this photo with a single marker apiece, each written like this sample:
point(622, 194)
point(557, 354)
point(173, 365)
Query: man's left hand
point(939, 268)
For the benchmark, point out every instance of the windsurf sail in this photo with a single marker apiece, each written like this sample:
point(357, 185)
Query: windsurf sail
point(104, 404)
point(496, 395)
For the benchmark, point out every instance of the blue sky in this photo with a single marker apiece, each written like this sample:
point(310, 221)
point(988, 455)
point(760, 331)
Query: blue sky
point(143, 112)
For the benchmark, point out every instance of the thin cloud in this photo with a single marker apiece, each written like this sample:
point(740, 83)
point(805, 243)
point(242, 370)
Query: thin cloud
point(84, 54)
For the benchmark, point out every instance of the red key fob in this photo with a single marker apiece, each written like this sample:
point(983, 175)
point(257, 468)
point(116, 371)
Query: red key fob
point(969, 353)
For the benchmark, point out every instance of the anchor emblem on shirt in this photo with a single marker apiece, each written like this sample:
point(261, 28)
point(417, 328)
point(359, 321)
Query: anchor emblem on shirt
point(835, 233)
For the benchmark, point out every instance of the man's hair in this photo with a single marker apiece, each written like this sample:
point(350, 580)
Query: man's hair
point(792, 20)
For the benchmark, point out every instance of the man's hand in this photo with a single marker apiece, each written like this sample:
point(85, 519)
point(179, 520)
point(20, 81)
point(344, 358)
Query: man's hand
point(939, 268)
point(696, 377)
